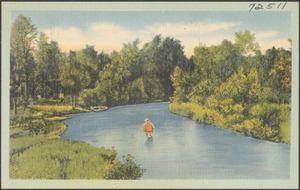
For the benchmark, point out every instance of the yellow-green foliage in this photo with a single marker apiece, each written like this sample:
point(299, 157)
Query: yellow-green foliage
point(38, 114)
point(18, 145)
point(57, 118)
point(265, 121)
point(199, 113)
point(65, 159)
point(60, 130)
point(55, 108)
point(61, 159)
point(33, 132)
point(276, 117)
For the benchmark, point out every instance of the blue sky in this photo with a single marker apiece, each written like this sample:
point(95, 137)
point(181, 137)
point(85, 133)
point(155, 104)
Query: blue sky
point(109, 30)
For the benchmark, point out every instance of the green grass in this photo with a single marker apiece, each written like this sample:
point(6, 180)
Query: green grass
point(37, 152)
point(62, 159)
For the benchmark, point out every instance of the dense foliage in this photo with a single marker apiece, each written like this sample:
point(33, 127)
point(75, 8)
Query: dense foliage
point(249, 94)
point(231, 85)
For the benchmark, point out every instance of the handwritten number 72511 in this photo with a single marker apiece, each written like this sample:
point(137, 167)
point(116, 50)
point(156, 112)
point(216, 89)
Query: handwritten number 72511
point(259, 6)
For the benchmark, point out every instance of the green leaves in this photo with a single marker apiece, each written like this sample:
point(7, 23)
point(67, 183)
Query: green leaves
point(245, 42)
point(22, 36)
point(235, 91)
point(48, 65)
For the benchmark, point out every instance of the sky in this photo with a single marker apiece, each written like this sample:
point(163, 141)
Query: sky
point(109, 30)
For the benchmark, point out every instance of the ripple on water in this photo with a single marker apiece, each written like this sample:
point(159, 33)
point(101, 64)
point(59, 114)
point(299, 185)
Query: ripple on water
point(180, 148)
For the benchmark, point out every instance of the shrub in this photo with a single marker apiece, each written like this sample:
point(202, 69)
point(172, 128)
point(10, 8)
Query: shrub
point(65, 159)
point(264, 121)
point(128, 169)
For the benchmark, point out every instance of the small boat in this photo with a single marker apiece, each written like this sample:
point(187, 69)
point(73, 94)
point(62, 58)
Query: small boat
point(98, 108)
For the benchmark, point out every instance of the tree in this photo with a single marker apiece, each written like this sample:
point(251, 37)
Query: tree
point(245, 42)
point(113, 81)
point(137, 91)
point(228, 59)
point(148, 69)
point(102, 60)
point(74, 78)
point(94, 63)
point(22, 37)
point(238, 91)
point(280, 75)
point(169, 55)
point(49, 61)
point(180, 85)
point(200, 92)
point(206, 72)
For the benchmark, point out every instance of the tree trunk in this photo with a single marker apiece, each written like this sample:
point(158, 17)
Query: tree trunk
point(14, 105)
point(71, 99)
point(74, 100)
point(25, 94)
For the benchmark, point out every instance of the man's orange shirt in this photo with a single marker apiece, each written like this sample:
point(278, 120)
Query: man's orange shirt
point(147, 127)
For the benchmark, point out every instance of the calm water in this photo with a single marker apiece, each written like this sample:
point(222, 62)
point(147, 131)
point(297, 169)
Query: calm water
point(181, 148)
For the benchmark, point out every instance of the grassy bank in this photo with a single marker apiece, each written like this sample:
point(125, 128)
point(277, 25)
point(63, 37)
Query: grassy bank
point(266, 122)
point(37, 152)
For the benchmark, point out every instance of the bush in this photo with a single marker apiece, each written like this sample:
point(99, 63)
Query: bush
point(199, 113)
point(65, 159)
point(128, 169)
point(265, 121)
point(276, 117)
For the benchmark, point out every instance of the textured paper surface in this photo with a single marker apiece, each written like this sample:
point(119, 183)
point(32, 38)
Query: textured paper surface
point(8, 7)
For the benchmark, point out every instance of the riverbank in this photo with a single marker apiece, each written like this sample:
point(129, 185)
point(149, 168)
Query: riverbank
point(252, 126)
point(37, 152)
point(177, 139)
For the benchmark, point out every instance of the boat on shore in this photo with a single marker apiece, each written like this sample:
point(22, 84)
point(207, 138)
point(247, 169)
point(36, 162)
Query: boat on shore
point(98, 108)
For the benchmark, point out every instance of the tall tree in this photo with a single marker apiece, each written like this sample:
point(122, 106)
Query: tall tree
point(228, 59)
point(169, 55)
point(280, 75)
point(49, 61)
point(245, 42)
point(89, 59)
point(149, 70)
point(22, 37)
point(74, 78)
point(205, 74)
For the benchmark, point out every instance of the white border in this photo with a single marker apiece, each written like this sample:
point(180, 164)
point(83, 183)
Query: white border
point(7, 7)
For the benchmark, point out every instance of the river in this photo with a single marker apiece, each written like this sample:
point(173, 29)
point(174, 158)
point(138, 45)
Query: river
point(180, 148)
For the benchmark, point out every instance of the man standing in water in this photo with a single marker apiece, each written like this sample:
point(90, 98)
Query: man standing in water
point(148, 128)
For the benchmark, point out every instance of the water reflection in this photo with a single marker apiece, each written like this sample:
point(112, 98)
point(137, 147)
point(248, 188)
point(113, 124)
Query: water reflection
point(180, 148)
point(149, 143)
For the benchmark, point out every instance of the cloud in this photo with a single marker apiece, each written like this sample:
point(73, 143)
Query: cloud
point(277, 43)
point(176, 29)
point(108, 36)
point(268, 34)
point(68, 39)
point(104, 36)
point(113, 33)
point(269, 39)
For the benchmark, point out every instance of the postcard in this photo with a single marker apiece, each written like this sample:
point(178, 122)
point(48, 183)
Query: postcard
point(150, 95)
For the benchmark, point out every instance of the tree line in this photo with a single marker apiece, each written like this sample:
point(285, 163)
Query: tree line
point(234, 78)
point(236, 87)
point(86, 77)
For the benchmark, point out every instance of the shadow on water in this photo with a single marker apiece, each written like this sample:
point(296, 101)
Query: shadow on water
point(149, 143)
